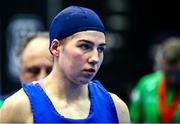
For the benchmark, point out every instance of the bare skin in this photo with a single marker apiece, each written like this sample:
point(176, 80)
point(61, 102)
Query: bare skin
point(35, 56)
point(67, 88)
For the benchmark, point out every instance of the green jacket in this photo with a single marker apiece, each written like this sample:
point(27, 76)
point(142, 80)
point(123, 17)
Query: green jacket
point(1, 102)
point(144, 100)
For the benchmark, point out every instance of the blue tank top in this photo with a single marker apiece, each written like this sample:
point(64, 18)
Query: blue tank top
point(102, 109)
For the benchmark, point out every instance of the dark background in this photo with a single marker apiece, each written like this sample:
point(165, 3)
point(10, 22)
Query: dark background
point(147, 22)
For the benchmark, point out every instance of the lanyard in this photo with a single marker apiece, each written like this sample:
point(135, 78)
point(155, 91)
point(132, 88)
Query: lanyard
point(167, 112)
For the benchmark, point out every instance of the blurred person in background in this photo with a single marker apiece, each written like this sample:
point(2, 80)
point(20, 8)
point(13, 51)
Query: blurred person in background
point(35, 59)
point(156, 98)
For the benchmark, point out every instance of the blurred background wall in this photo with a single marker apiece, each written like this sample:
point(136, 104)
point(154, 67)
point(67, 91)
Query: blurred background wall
point(133, 28)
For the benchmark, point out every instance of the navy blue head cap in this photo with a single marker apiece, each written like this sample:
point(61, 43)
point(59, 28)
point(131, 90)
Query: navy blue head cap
point(74, 19)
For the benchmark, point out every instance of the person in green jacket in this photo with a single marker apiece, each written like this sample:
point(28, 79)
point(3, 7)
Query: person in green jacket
point(156, 97)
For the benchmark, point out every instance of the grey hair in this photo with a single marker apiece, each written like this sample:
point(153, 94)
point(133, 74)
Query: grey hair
point(28, 38)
